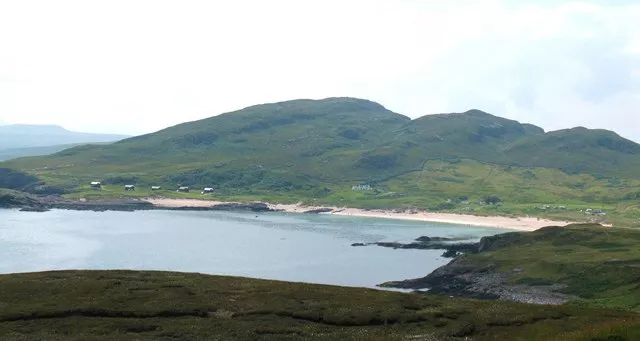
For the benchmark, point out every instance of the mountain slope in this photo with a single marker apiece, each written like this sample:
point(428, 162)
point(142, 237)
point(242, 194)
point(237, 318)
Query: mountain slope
point(271, 145)
point(27, 136)
point(305, 149)
point(471, 135)
point(575, 150)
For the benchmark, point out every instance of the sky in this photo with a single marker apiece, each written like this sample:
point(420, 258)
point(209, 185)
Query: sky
point(137, 66)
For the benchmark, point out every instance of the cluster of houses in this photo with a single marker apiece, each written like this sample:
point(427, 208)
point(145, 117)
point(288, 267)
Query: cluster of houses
point(132, 188)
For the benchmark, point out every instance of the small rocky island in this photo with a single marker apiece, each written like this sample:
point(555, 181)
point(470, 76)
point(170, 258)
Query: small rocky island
point(431, 243)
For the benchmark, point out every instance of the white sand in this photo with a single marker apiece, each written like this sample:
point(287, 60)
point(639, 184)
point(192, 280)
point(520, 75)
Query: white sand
point(520, 224)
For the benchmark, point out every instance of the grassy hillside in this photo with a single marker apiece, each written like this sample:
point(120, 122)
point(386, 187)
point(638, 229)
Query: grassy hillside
point(317, 150)
point(579, 150)
point(127, 305)
point(599, 265)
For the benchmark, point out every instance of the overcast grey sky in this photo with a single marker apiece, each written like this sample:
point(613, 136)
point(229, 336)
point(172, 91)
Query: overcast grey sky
point(136, 66)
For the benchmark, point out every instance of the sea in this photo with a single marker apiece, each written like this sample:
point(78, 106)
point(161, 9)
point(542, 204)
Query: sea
point(312, 248)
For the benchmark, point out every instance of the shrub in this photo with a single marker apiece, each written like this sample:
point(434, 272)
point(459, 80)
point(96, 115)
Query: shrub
point(492, 200)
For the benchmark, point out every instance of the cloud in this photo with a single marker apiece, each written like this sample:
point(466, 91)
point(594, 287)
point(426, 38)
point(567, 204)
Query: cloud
point(137, 66)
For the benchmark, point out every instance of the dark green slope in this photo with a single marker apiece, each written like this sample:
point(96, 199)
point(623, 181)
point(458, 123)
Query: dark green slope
point(579, 150)
point(298, 143)
point(145, 305)
point(471, 135)
point(306, 145)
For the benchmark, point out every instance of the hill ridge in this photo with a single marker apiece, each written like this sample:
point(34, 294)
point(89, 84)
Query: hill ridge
point(318, 149)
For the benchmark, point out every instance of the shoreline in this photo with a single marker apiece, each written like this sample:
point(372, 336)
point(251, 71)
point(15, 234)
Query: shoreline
point(526, 224)
point(45, 203)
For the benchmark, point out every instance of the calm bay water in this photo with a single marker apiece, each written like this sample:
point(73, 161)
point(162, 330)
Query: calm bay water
point(291, 247)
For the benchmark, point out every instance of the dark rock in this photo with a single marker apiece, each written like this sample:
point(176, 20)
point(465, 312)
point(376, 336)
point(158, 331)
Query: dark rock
point(254, 207)
point(464, 280)
point(426, 239)
point(319, 210)
point(34, 209)
point(450, 254)
point(431, 243)
point(103, 205)
point(390, 244)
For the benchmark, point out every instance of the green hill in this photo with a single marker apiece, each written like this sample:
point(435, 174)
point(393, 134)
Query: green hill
point(597, 266)
point(318, 149)
point(580, 150)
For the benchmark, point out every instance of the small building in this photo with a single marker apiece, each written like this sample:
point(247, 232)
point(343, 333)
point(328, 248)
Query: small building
point(207, 190)
point(183, 189)
point(156, 188)
point(361, 188)
point(96, 184)
point(129, 188)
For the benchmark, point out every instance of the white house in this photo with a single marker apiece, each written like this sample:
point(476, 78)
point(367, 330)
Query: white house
point(361, 188)
point(129, 188)
point(96, 184)
point(155, 188)
point(207, 190)
point(184, 189)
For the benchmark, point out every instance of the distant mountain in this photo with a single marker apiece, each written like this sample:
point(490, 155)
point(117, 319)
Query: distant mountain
point(14, 153)
point(319, 148)
point(27, 136)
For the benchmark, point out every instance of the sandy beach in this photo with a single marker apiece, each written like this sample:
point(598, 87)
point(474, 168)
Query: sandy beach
point(519, 224)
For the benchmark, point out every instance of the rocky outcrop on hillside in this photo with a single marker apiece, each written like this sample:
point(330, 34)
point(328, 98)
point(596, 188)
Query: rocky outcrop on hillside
point(463, 277)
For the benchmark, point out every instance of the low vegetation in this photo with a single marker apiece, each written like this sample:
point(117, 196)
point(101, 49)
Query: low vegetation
point(598, 266)
point(316, 151)
point(128, 305)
